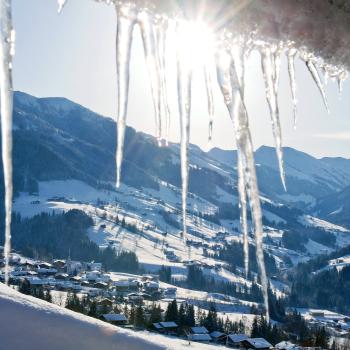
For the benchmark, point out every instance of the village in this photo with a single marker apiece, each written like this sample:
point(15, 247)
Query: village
point(119, 298)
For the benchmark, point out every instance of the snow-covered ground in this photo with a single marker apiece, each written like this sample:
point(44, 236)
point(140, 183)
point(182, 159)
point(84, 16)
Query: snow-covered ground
point(145, 210)
point(28, 323)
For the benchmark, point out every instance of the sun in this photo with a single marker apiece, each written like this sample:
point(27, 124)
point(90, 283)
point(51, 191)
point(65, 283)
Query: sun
point(195, 43)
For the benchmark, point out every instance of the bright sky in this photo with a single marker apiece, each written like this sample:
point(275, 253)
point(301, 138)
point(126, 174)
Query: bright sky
point(72, 55)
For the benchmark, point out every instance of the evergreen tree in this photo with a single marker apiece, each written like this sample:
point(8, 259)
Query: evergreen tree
point(139, 321)
point(93, 310)
point(156, 314)
point(190, 317)
point(171, 313)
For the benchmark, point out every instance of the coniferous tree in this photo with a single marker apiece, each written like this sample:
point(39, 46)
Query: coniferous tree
point(139, 321)
point(171, 313)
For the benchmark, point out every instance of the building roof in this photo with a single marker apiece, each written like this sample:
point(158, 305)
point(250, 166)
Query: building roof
point(217, 334)
point(286, 345)
point(200, 337)
point(199, 330)
point(236, 338)
point(259, 343)
point(157, 325)
point(114, 317)
point(168, 324)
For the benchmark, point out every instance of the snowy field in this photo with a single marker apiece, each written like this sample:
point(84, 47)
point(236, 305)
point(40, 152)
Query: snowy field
point(28, 323)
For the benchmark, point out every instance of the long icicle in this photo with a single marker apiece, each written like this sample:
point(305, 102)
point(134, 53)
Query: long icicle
point(6, 98)
point(210, 97)
point(229, 84)
point(269, 74)
point(184, 80)
point(126, 19)
point(316, 77)
point(161, 35)
point(291, 53)
point(147, 28)
point(239, 56)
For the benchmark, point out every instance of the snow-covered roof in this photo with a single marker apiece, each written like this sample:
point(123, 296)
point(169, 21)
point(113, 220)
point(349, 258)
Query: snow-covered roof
point(236, 338)
point(286, 345)
point(114, 317)
point(217, 334)
point(259, 343)
point(169, 324)
point(199, 330)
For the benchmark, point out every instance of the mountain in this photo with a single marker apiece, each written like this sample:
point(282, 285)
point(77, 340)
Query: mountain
point(307, 177)
point(64, 159)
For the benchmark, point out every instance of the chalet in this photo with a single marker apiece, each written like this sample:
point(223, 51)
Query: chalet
point(151, 286)
point(44, 265)
point(169, 328)
point(104, 305)
point(235, 340)
point(116, 319)
point(122, 286)
point(218, 337)
point(59, 264)
point(256, 343)
point(61, 276)
point(286, 345)
point(203, 338)
point(136, 298)
point(199, 330)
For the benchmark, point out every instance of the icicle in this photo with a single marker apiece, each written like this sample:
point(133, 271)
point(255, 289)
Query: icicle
point(184, 79)
point(161, 35)
point(61, 4)
point(316, 77)
point(243, 208)
point(147, 27)
point(209, 88)
point(126, 19)
point(269, 73)
point(7, 38)
point(341, 77)
point(291, 53)
point(229, 84)
point(276, 59)
point(239, 56)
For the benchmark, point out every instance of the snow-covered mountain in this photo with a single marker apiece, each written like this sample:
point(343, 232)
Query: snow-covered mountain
point(64, 158)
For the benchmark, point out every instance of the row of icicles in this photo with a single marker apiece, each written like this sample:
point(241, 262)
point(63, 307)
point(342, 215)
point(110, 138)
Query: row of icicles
point(227, 57)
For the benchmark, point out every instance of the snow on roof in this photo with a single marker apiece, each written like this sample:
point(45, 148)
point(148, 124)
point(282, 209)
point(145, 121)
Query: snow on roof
point(217, 334)
point(286, 345)
point(259, 343)
point(200, 337)
point(114, 317)
point(157, 326)
point(168, 324)
point(236, 338)
point(199, 330)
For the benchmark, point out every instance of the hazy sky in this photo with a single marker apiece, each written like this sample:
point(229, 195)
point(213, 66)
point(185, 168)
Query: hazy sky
point(72, 55)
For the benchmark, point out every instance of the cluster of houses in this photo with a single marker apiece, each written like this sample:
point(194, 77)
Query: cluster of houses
point(337, 325)
point(85, 278)
point(236, 341)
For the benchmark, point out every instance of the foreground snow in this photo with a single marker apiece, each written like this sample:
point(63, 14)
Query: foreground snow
point(29, 323)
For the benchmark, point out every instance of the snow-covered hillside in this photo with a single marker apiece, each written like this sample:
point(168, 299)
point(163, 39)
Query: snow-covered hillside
point(29, 323)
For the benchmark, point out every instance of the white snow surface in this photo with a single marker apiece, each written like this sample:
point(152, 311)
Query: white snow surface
point(41, 325)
